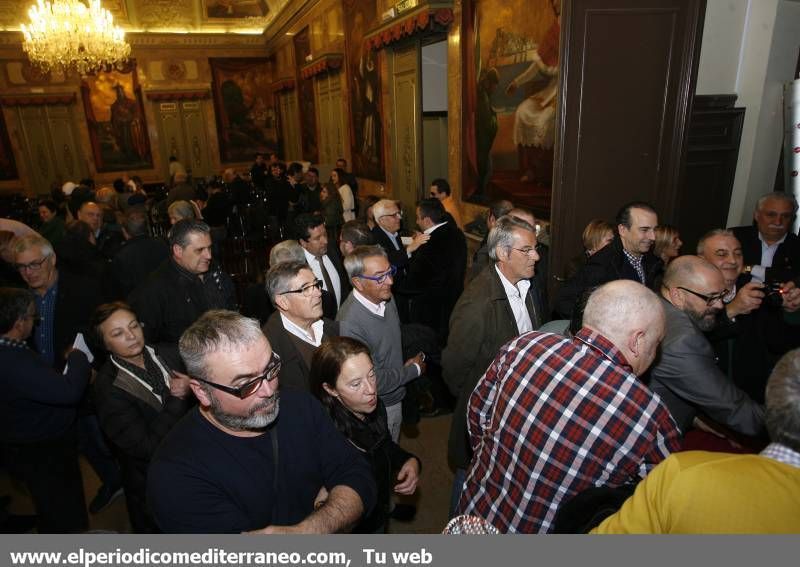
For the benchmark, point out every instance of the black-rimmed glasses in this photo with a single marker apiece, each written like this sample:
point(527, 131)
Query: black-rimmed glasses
point(380, 278)
point(398, 214)
point(307, 290)
point(709, 299)
point(32, 266)
point(250, 388)
point(526, 251)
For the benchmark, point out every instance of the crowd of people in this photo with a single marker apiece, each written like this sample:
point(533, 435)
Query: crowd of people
point(660, 393)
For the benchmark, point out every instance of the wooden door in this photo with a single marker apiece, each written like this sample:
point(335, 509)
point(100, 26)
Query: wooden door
point(628, 74)
point(290, 127)
point(183, 133)
point(51, 145)
point(406, 129)
point(333, 138)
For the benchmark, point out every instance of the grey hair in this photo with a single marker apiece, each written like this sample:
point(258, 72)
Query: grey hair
point(701, 244)
point(502, 235)
point(379, 209)
point(780, 196)
point(614, 309)
point(279, 276)
point(783, 401)
point(181, 230)
point(354, 262)
point(214, 331)
point(286, 251)
point(182, 209)
point(499, 208)
point(23, 243)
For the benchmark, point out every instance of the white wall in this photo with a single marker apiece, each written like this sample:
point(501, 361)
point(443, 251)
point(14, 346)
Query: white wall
point(750, 48)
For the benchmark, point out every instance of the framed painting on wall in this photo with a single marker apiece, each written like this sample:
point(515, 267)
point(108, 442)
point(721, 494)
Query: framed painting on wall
point(244, 108)
point(8, 167)
point(115, 116)
point(236, 8)
point(510, 89)
point(365, 92)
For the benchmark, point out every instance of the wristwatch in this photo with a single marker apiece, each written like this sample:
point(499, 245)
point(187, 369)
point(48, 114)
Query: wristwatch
point(748, 269)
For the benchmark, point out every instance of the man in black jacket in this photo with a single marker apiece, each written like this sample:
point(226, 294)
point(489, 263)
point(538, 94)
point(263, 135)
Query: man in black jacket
point(139, 256)
point(184, 287)
point(628, 257)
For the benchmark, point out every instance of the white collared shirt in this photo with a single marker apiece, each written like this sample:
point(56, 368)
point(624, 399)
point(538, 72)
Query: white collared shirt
point(313, 263)
point(300, 333)
point(516, 295)
point(392, 237)
point(759, 272)
point(434, 227)
point(377, 309)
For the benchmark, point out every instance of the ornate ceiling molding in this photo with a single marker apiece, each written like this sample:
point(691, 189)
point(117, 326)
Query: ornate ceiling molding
point(284, 84)
point(179, 40)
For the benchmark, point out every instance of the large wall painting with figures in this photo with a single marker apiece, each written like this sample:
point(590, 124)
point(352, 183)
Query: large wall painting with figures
point(115, 116)
point(365, 91)
point(244, 108)
point(510, 88)
point(8, 167)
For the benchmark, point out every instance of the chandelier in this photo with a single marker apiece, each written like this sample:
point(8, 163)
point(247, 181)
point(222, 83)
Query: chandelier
point(68, 35)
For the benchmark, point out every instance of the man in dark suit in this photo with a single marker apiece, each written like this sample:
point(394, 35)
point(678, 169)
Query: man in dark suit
point(65, 303)
point(685, 374)
point(435, 277)
point(139, 256)
point(771, 252)
point(498, 305)
point(328, 268)
point(297, 328)
point(629, 256)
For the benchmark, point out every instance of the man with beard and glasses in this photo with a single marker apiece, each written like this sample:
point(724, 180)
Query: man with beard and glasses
point(234, 464)
point(685, 375)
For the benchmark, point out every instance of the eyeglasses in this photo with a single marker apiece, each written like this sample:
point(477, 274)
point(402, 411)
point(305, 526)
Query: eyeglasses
point(398, 214)
point(526, 251)
point(380, 278)
point(250, 388)
point(307, 290)
point(709, 299)
point(32, 266)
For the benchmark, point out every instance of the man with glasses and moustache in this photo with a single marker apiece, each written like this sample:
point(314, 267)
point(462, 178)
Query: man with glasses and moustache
point(685, 374)
point(251, 458)
point(370, 315)
point(297, 328)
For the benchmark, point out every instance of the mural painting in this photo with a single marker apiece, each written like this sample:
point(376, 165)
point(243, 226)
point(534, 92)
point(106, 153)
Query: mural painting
point(305, 96)
point(510, 87)
point(115, 116)
point(8, 167)
point(236, 8)
point(244, 108)
point(365, 92)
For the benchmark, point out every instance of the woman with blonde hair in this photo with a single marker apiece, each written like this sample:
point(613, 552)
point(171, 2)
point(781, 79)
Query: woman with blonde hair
point(668, 243)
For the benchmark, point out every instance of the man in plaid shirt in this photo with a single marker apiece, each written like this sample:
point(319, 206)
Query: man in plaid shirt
point(554, 416)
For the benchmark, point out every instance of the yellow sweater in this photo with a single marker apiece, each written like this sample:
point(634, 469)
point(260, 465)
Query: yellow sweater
point(700, 492)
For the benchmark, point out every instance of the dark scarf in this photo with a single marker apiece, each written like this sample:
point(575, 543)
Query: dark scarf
point(151, 374)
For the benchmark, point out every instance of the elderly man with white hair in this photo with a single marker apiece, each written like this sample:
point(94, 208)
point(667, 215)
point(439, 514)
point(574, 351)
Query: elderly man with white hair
point(554, 416)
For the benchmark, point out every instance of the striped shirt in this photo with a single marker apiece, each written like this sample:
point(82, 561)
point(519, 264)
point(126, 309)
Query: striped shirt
point(552, 417)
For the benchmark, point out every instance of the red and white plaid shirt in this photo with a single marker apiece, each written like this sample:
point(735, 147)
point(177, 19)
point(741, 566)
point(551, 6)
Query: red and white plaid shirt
point(552, 417)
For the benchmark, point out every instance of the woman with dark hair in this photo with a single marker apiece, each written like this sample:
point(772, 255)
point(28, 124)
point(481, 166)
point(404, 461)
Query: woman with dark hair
point(338, 180)
point(343, 378)
point(139, 397)
point(52, 224)
point(331, 203)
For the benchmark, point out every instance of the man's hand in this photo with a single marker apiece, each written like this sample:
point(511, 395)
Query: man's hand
point(419, 360)
point(791, 297)
point(179, 385)
point(408, 477)
point(418, 240)
point(747, 299)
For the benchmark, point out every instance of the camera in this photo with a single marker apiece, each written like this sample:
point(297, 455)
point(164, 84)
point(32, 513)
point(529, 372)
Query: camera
point(773, 294)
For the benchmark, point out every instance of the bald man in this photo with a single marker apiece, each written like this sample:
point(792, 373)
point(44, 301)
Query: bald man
point(685, 374)
point(554, 416)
